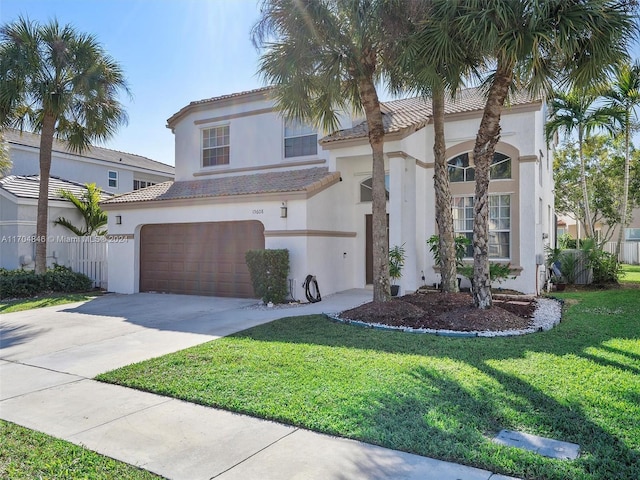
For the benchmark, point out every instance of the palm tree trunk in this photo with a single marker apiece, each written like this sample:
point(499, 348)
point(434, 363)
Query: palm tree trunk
point(488, 136)
point(625, 194)
point(371, 105)
point(444, 216)
point(588, 222)
point(46, 145)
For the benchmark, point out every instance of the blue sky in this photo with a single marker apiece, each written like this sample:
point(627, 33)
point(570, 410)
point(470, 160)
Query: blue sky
point(172, 51)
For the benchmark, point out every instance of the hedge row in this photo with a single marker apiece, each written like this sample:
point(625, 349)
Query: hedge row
point(26, 283)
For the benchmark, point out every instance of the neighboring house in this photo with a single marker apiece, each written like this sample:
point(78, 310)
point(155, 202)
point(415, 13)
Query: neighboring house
point(18, 214)
point(112, 171)
point(246, 179)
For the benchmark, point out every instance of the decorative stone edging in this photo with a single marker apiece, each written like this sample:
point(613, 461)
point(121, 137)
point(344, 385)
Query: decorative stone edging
point(547, 315)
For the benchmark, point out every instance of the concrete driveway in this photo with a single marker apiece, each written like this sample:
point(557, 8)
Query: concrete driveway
point(114, 330)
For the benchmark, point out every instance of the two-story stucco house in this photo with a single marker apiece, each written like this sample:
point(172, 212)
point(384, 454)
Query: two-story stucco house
point(246, 178)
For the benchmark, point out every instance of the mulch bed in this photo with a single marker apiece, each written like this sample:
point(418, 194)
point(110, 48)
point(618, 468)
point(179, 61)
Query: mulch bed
point(446, 311)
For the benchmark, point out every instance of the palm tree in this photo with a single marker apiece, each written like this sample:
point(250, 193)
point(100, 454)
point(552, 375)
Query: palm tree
point(574, 111)
point(624, 94)
point(60, 83)
point(433, 60)
point(89, 207)
point(532, 44)
point(5, 160)
point(323, 56)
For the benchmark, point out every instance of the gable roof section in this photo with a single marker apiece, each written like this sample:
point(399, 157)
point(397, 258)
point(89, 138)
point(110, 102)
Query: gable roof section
point(305, 180)
point(239, 97)
point(411, 114)
point(97, 153)
point(27, 186)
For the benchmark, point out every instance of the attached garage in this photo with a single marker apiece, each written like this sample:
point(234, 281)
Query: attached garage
point(198, 258)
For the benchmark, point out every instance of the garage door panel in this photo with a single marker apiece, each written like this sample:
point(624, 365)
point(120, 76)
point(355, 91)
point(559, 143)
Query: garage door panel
point(199, 259)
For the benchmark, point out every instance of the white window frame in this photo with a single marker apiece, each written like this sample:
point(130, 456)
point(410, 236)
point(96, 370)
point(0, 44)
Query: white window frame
point(205, 144)
point(112, 178)
point(463, 215)
point(470, 169)
point(141, 184)
point(365, 185)
point(296, 130)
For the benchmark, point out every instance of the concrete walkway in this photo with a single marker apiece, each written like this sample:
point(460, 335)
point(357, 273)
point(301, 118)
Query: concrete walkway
point(48, 357)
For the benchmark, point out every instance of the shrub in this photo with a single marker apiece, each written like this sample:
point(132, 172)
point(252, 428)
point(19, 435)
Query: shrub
point(269, 270)
point(26, 283)
point(498, 272)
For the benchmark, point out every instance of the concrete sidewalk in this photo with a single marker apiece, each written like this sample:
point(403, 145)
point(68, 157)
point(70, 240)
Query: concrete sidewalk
point(48, 357)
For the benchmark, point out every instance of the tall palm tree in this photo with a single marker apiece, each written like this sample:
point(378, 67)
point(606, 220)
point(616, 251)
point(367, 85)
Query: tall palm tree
point(89, 207)
point(574, 111)
point(434, 60)
point(624, 94)
point(532, 44)
point(60, 83)
point(323, 56)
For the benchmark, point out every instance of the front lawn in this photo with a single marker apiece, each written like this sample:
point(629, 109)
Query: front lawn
point(435, 396)
point(44, 301)
point(26, 454)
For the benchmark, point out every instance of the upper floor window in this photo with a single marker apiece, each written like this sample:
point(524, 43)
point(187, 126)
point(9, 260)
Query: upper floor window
point(461, 169)
point(113, 179)
point(366, 189)
point(138, 184)
point(215, 146)
point(299, 140)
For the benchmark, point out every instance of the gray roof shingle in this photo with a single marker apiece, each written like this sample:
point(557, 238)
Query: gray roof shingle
point(308, 179)
point(112, 156)
point(27, 186)
point(414, 113)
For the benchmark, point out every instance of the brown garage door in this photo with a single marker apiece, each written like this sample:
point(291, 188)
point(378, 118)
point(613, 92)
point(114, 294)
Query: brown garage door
point(198, 258)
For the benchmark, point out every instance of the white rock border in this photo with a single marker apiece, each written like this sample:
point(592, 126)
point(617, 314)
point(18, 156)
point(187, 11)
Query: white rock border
point(547, 315)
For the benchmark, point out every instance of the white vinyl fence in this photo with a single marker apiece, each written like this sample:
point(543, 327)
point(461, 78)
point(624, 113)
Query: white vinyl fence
point(629, 252)
point(88, 255)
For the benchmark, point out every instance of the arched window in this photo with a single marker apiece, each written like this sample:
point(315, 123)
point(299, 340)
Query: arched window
point(366, 189)
point(461, 168)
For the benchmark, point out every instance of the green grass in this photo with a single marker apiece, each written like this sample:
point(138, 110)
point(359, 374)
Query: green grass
point(26, 454)
point(434, 396)
point(46, 301)
point(631, 274)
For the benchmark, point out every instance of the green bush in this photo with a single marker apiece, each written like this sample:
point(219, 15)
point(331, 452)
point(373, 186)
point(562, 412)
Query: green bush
point(269, 270)
point(606, 268)
point(498, 272)
point(26, 283)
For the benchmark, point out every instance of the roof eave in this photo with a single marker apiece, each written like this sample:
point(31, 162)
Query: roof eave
point(218, 102)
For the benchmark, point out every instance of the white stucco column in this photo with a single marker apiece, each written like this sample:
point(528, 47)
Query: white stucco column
point(402, 214)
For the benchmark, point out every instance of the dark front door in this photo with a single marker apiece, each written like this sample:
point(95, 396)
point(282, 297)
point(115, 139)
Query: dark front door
point(368, 248)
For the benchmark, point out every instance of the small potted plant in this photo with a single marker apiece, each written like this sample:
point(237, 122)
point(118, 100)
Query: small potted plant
point(396, 262)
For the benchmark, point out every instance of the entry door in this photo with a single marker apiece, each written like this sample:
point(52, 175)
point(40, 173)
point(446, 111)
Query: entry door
point(368, 248)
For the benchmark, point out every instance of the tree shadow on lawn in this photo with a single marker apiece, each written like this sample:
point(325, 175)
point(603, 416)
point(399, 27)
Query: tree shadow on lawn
point(454, 420)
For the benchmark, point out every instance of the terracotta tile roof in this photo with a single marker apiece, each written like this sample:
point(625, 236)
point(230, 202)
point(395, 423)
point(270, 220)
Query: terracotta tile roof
point(414, 113)
point(27, 186)
point(112, 156)
point(308, 179)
